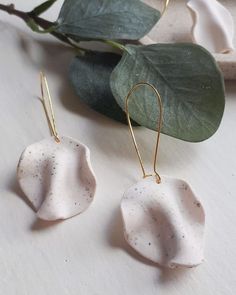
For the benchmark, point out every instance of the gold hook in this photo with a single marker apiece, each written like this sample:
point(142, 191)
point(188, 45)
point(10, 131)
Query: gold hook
point(159, 125)
point(48, 106)
point(165, 6)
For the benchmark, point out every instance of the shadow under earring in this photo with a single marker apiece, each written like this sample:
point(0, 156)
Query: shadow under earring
point(163, 219)
point(56, 174)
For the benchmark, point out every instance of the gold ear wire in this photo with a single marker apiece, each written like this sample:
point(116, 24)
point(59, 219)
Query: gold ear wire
point(165, 6)
point(159, 125)
point(47, 105)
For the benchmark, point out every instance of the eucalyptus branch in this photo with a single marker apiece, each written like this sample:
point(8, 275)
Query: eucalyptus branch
point(113, 76)
point(33, 20)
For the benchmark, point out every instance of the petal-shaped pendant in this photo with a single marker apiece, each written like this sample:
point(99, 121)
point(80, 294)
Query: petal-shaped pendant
point(57, 178)
point(213, 25)
point(164, 222)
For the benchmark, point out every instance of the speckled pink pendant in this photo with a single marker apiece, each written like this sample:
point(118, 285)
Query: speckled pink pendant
point(57, 177)
point(164, 222)
point(163, 219)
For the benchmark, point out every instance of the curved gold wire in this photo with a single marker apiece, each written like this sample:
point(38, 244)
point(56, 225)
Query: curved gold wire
point(47, 105)
point(165, 6)
point(159, 125)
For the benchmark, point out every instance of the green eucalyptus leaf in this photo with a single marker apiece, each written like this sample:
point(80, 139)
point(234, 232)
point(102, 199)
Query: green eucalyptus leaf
point(42, 7)
point(189, 81)
point(106, 19)
point(90, 76)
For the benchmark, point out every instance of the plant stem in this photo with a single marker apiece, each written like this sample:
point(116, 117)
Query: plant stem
point(115, 44)
point(43, 23)
point(11, 10)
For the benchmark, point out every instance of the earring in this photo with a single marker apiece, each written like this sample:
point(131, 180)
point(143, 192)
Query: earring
point(56, 174)
point(163, 219)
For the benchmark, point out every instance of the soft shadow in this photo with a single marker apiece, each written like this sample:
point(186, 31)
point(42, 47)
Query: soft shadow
point(40, 225)
point(116, 239)
point(15, 188)
point(230, 89)
point(170, 274)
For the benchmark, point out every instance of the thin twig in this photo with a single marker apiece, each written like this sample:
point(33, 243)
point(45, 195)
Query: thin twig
point(43, 23)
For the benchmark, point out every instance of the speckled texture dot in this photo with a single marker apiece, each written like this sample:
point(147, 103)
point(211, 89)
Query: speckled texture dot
point(164, 222)
point(57, 178)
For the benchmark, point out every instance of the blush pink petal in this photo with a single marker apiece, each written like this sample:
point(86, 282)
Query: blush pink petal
point(57, 178)
point(164, 222)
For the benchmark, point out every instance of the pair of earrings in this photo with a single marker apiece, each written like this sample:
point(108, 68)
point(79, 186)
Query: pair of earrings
point(163, 220)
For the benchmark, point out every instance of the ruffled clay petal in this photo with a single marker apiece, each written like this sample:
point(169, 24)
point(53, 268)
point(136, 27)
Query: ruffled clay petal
point(164, 222)
point(57, 178)
point(213, 26)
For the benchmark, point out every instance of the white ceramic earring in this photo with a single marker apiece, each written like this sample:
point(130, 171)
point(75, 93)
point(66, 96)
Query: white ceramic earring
point(213, 25)
point(55, 174)
point(163, 219)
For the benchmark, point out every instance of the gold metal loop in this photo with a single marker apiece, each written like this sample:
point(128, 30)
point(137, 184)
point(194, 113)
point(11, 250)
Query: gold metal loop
point(47, 105)
point(159, 125)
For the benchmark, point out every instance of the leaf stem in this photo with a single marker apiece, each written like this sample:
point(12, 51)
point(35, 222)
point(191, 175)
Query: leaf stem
point(115, 44)
point(47, 26)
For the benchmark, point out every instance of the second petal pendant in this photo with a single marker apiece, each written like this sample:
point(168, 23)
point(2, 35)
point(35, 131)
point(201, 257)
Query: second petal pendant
point(163, 219)
point(56, 174)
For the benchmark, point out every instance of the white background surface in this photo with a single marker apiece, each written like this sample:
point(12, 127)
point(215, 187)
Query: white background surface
point(87, 254)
